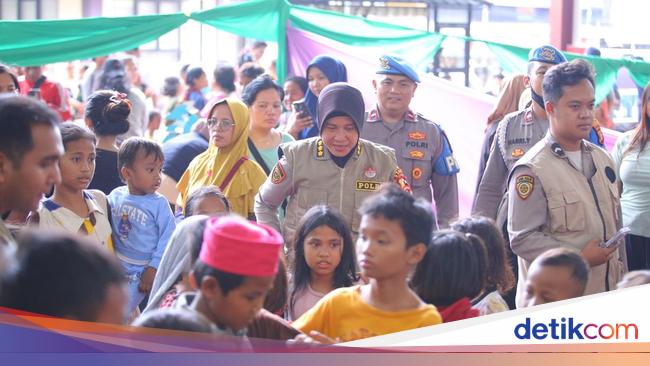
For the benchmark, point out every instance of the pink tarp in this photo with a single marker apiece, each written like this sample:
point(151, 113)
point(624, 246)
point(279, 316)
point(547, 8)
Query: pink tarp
point(460, 111)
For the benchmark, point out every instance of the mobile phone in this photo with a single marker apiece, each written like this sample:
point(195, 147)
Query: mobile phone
point(300, 108)
point(613, 241)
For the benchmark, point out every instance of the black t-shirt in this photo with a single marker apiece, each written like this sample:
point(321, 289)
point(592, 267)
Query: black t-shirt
point(106, 177)
point(180, 151)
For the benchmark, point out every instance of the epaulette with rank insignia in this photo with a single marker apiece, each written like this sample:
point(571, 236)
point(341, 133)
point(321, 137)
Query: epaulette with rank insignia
point(373, 116)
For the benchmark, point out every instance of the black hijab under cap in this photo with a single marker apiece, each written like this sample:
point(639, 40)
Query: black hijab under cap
point(338, 99)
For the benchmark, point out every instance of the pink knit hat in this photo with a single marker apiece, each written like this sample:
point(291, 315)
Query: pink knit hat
point(234, 245)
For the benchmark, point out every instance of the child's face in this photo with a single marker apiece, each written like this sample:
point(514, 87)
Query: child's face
point(550, 283)
point(145, 175)
point(77, 165)
point(238, 308)
point(382, 251)
point(323, 248)
point(210, 206)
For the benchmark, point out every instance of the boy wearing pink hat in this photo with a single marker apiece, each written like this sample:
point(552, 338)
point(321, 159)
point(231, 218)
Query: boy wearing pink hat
point(235, 270)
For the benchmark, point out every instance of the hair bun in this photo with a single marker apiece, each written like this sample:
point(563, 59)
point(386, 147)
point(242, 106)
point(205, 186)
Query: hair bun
point(117, 109)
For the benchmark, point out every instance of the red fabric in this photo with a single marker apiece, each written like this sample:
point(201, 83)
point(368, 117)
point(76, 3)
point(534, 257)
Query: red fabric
point(51, 95)
point(234, 245)
point(461, 309)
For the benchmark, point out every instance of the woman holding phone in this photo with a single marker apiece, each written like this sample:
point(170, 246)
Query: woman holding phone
point(321, 71)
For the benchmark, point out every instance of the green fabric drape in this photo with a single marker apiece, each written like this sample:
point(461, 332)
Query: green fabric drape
point(258, 19)
point(39, 42)
point(418, 47)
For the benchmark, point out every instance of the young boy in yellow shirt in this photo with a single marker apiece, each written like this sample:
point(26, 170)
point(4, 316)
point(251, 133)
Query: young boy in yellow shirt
point(394, 233)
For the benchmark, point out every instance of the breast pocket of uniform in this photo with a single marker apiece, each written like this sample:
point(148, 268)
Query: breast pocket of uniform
point(310, 197)
point(566, 212)
point(418, 166)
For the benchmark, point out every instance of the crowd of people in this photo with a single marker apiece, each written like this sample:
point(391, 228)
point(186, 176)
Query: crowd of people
point(297, 212)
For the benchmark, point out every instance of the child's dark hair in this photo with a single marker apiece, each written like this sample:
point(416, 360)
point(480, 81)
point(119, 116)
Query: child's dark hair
point(451, 269)
point(174, 319)
point(569, 258)
point(415, 216)
point(227, 281)
point(345, 272)
point(108, 112)
point(499, 273)
point(129, 151)
point(193, 73)
point(71, 132)
point(61, 275)
point(201, 193)
point(276, 299)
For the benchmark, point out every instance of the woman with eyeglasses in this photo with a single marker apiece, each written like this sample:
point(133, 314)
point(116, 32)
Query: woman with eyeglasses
point(264, 98)
point(225, 163)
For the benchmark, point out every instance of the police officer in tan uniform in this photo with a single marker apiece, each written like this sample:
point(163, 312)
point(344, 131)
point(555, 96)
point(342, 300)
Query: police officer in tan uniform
point(515, 135)
point(564, 191)
point(337, 169)
point(422, 148)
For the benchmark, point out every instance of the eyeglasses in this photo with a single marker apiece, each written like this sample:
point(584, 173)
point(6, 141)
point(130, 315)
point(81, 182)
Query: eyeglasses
point(220, 125)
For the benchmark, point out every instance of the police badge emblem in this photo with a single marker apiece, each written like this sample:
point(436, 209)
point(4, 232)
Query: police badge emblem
point(524, 186)
point(383, 63)
point(370, 172)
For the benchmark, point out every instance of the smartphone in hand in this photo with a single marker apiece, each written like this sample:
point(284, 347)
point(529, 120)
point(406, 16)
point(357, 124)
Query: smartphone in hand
point(614, 240)
point(300, 108)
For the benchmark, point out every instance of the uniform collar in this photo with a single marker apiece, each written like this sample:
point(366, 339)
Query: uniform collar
point(558, 150)
point(323, 154)
point(375, 116)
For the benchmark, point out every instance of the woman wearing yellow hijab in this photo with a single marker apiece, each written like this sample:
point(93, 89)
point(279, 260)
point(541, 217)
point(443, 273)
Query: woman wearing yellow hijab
point(225, 163)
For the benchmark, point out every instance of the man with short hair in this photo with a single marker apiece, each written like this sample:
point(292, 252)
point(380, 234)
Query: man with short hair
point(421, 146)
point(30, 148)
point(564, 191)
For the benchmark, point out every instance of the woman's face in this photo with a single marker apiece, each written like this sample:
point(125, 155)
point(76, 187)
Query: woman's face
point(292, 92)
point(7, 84)
point(266, 109)
point(317, 80)
point(222, 126)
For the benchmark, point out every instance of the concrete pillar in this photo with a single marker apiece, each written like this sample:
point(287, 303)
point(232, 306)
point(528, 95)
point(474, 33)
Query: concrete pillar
point(561, 19)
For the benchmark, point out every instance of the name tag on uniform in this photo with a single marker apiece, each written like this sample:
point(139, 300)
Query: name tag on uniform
point(367, 186)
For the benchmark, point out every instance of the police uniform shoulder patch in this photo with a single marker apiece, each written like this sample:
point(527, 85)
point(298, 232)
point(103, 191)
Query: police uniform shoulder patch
point(524, 185)
point(320, 149)
point(278, 175)
point(400, 179)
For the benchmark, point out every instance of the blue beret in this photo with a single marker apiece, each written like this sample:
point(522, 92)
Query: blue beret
point(547, 54)
point(393, 65)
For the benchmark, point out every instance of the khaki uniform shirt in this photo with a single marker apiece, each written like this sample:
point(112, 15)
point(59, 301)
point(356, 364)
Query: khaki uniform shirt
point(553, 204)
point(308, 176)
point(517, 133)
point(425, 155)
